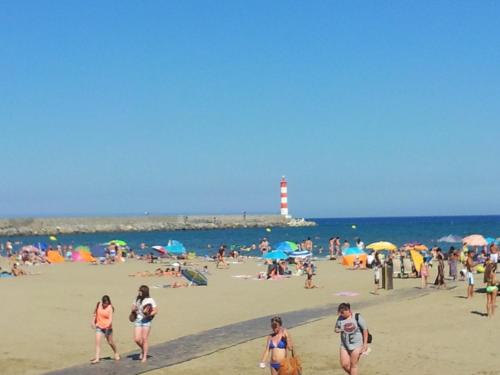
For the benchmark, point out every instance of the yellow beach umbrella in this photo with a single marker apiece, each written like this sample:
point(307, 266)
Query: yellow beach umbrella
point(382, 245)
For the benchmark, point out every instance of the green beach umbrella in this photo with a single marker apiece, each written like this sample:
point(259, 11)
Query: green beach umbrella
point(117, 242)
point(85, 249)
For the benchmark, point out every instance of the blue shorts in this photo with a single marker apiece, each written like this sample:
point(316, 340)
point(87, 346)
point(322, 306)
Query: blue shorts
point(104, 331)
point(143, 323)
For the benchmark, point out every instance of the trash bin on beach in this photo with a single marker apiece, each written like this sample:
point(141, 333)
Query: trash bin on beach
point(387, 275)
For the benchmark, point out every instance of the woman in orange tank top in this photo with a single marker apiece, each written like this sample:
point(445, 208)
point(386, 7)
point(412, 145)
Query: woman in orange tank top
point(103, 325)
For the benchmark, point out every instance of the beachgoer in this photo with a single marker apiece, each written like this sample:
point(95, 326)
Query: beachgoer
point(8, 248)
point(353, 338)
point(308, 244)
point(331, 247)
point(376, 266)
point(345, 245)
point(102, 322)
point(16, 271)
point(452, 263)
point(469, 265)
point(494, 253)
point(264, 245)
point(439, 282)
point(277, 345)
point(424, 273)
point(220, 258)
point(309, 275)
point(143, 319)
point(360, 244)
point(491, 287)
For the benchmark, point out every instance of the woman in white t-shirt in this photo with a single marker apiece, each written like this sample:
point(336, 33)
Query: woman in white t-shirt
point(145, 309)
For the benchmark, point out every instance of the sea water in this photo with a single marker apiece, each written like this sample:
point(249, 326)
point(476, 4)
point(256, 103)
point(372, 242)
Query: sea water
point(398, 230)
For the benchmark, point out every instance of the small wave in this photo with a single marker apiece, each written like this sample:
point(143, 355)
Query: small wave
point(450, 239)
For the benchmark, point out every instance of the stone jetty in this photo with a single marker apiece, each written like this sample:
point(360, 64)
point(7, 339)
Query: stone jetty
point(146, 223)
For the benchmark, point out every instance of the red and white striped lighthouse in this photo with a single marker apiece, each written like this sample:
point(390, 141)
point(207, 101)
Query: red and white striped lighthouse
point(284, 197)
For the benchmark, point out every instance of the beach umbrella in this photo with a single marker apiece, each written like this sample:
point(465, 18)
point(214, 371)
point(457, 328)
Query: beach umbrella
point(175, 247)
point(450, 239)
point(30, 249)
point(414, 246)
point(85, 249)
point(300, 254)
point(474, 240)
point(352, 251)
point(160, 249)
point(276, 255)
point(286, 246)
point(382, 245)
point(117, 242)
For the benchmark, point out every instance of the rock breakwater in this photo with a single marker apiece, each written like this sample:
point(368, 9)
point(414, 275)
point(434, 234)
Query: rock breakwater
point(73, 225)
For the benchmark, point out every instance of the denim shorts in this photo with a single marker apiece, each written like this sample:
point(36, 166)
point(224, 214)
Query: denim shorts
point(143, 323)
point(104, 331)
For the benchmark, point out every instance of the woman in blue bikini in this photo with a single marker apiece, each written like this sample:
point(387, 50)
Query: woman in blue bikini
point(277, 344)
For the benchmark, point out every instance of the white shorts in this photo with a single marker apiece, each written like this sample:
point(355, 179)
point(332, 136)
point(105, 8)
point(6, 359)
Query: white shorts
point(494, 258)
point(470, 278)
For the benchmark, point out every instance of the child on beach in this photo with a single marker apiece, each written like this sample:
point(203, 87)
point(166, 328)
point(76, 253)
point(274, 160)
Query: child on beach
point(144, 309)
point(102, 322)
point(309, 274)
point(424, 273)
point(491, 287)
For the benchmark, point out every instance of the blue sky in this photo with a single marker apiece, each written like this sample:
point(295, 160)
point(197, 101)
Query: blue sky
point(182, 107)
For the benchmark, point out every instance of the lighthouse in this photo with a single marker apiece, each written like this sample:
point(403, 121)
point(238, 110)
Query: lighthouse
point(284, 198)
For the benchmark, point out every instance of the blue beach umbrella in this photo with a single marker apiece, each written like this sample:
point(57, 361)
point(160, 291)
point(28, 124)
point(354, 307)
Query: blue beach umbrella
point(286, 246)
point(353, 251)
point(175, 247)
point(276, 255)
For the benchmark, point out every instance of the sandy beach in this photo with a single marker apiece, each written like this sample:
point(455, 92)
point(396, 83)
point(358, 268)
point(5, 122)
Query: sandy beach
point(46, 319)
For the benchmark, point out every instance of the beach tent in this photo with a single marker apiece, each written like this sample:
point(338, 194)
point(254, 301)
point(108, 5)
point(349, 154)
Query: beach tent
point(349, 260)
point(286, 246)
point(82, 256)
point(276, 255)
point(54, 257)
point(350, 254)
point(352, 251)
point(382, 245)
point(175, 247)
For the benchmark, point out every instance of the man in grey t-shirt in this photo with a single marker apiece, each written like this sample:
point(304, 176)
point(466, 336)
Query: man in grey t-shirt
point(353, 338)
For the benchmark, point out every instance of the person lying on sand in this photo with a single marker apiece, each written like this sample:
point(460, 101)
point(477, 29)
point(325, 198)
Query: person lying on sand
point(17, 271)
